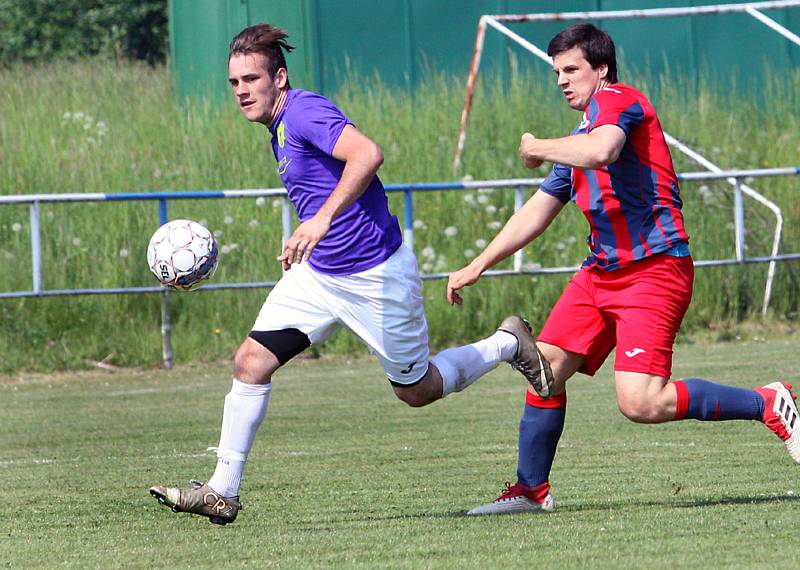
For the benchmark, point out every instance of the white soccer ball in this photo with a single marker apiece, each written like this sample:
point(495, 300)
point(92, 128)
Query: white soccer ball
point(182, 254)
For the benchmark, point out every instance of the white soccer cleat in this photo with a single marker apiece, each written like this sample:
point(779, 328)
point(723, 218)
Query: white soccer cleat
point(781, 415)
point(515, 500)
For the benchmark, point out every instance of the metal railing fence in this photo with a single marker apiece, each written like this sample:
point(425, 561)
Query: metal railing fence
point(519, 185)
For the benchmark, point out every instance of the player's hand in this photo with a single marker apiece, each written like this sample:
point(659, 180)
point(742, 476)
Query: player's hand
point(301, 244)
point(458, 280)
point(529, 159)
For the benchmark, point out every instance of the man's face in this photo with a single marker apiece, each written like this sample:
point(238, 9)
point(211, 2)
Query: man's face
point(255, 91)
point(576, 78)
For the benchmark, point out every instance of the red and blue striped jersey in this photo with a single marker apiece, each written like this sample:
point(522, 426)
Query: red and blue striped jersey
point(633, 205)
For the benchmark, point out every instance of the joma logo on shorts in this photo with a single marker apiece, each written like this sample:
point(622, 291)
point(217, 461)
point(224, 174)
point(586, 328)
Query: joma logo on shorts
point(634, 352)
point(409, 369)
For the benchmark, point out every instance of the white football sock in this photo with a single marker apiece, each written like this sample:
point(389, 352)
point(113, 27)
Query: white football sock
point(245, 408)
point(461, 366)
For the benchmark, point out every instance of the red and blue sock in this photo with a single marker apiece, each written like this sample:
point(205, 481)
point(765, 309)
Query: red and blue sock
point(702, 400)
point(539, 431)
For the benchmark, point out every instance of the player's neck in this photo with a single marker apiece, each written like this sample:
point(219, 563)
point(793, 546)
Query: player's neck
point(278, 106)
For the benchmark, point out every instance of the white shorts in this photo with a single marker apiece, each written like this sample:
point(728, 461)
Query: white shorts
point(382, 306)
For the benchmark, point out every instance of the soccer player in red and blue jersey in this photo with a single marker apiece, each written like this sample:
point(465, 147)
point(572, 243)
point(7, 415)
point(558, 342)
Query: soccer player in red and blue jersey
point(633, 289)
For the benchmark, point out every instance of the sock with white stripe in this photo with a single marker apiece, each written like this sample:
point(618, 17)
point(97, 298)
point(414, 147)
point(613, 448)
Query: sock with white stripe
point(461, 366)
point(245, 408)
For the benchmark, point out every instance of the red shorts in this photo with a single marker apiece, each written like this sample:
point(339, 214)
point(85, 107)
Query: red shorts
point(638, 309)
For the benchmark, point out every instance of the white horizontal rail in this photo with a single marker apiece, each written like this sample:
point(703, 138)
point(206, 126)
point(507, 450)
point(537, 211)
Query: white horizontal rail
point(647, 12)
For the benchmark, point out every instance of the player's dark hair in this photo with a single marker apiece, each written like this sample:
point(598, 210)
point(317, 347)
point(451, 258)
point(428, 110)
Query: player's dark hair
point(596, 45)
point(265, 39)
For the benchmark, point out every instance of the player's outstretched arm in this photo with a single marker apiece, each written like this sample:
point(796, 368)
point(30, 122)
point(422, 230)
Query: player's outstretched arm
point(587, 151)
point(362, 158)
point(524, 226)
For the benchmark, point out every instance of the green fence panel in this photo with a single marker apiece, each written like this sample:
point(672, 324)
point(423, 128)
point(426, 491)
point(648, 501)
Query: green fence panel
point(401, 40)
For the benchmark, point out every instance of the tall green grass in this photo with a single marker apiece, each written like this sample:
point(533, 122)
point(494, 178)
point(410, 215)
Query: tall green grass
point(97, 126)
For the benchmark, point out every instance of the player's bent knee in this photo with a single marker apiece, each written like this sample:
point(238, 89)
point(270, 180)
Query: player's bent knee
point(639, 412)
point(263, 352)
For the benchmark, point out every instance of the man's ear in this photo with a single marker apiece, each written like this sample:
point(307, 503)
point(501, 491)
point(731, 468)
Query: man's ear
point(281, 78)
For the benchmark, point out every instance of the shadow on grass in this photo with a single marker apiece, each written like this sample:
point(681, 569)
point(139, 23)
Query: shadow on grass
point(609, 506)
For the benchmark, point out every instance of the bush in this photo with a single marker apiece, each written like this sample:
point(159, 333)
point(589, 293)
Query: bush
point(38, 30)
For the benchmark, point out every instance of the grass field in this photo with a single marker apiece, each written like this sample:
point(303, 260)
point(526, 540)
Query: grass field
point(344, 475)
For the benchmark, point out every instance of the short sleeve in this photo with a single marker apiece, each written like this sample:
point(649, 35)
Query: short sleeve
point(318, 121)
point(611, 107)
point(558, 183)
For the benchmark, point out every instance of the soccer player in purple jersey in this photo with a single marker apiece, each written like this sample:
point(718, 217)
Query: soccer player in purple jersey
point(345, 266)
point(633, 289)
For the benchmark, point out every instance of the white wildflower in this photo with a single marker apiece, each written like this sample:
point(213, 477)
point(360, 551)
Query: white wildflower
point(491, 209)
point(469, 199)
point(277, 203)
point(16, 227)
point(480, 243)
point(450, 231)
point(572, 239)
point(427, 267)
point(420, 225)
point(469, 254)
point(123, 253)
point(227, 220)
point(253, 223)
point(76, 241)
point(482, 199)
point(467, 178)
point(495, 225)
point(428, 252)
point(561, 245)
point(260, 201)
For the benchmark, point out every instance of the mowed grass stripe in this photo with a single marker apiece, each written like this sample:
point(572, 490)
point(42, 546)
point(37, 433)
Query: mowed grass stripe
point(344, 475)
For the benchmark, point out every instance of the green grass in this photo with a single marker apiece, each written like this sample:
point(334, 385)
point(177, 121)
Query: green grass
point(344, 475)
point(101, 126)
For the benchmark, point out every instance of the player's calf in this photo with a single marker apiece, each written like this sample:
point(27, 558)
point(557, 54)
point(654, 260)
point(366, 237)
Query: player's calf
point(425, 391)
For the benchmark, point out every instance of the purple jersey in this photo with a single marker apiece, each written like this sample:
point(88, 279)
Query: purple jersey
point(303, 136)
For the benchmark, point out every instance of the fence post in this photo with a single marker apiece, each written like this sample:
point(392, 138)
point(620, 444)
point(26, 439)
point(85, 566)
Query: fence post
point(286, 220)
point(738, 220)
point(166, 331)
point(408, 219)
point(166, 326)
point(36, 247)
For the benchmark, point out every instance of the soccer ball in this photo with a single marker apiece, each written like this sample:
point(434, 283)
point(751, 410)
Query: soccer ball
point(182, 254)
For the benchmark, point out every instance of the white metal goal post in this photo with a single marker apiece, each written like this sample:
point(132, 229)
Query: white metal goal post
point(754, 9)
